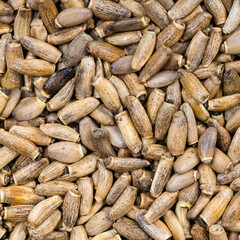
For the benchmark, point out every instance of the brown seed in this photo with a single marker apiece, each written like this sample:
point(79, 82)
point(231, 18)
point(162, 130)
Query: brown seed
point(215, 208)
point(155, 100)
point(62, 97)
point(130, 24)
point(5, 9)
point(84, 77)
point(129, 229)
point(95, 208)
point(161, 175)
point(192, 137)
point(65, 35)
point(207, 179)
point(85, 166)
point(105, 180)
point(125, 164)
point(221, 163)
point(233, 151)
point(163, 120)
point(128, 132)
point(29, 172)
point(53, 170)
point(108, 94)
point(48, 13)
point(177, 134)
point(213, 69)
point(224, 58)
point(66, 152)
point(153, 151)
point(230, 45)
point(137, 112)
point(115, 136)
point(183, 8)
point(134, 86)
point(76, 50)
point(14, 79)
point(71, 205)
point(162, 79)
point(198, 23)
point(212, 47)
point(43, 210)
point(173, 94)
point(19, 231)
point(156, 12)
point(176, 61)
point(78, 233)
point(59, 131)
point(19, 144)
point(108, 10)
point(223, 103)
point(70, 17)
point(28, 108)
point(200, 204)
point(121, 88)
point(195, 51)
point(160, 206)
point(187, 161)
point(7, 19)
point(231, 214)
point(33, 67)
point(212, 85)
point(233, 19)
point(144, 200)
point(55, 187)
point(71, 113)
point(142, 179)
point(122, 66)
point(17, 213)
point(31, 133)
point(155, 63)
point(5, 39)
point(123, 203)
point(171, 34)
point(124, 38)
point(174, 225)
point(206, 145)
point(224, 138)
point(22, 23)
point(193, 86)
point(217, 9)
point(157, 230)
point(47, 226)
point(19, 195)
point(102, 143)
point(144, 50)
point(235, 184)
point(105, 51)
point(86, 128)
point(229, 177)
point(14, 97)
point(41, 49)
point(57, 81)
point(104, 29)
point(99, 222)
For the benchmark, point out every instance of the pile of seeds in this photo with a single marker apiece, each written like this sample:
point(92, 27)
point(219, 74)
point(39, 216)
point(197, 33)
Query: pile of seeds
point(120, 119)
